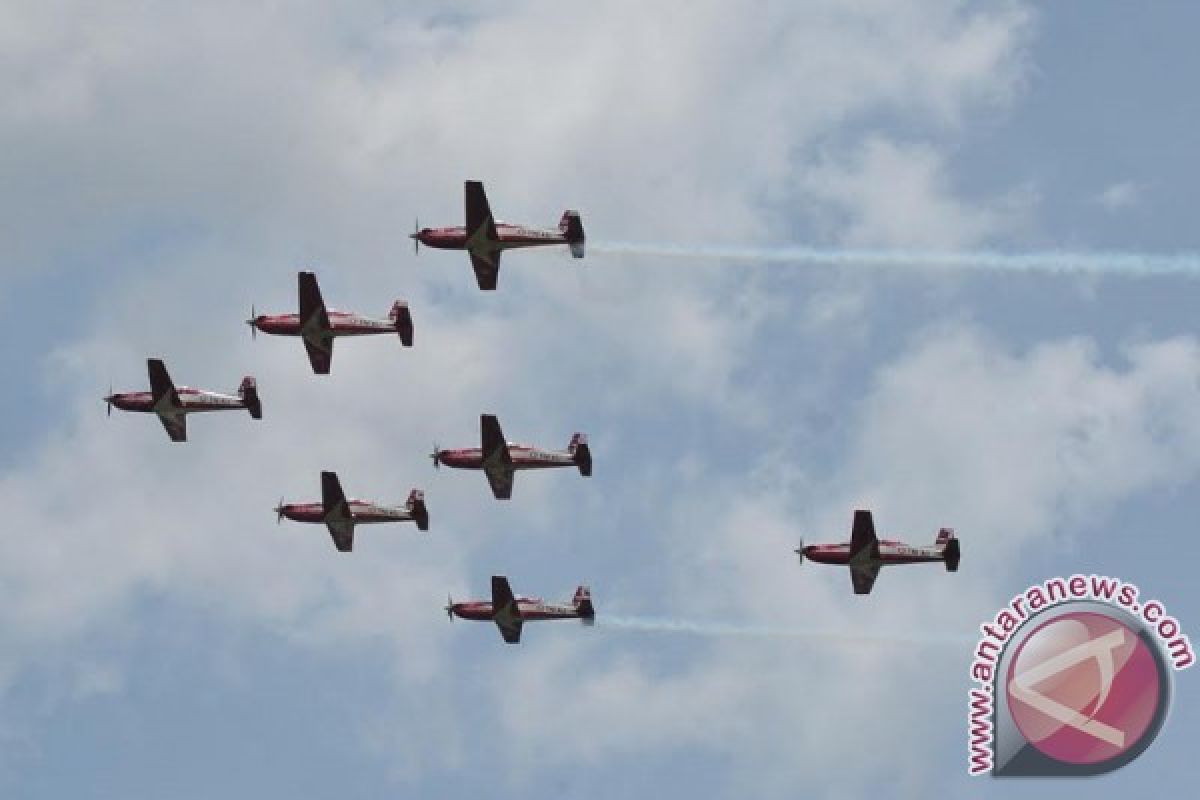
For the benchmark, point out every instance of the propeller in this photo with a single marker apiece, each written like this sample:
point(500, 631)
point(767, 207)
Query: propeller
point(450, 607)
point(108, 399)
point(800, 551)
point(279, 512)
point(252, 323)
point(416, 235)
point(436, 455)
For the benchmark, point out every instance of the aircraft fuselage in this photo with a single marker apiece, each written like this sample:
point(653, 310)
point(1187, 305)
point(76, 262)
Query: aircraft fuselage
point(507, 237)
point(523, 457)
point(362, 512)
point(529, 608)
point(191, 401)
point(890, 552)
point(341, 323)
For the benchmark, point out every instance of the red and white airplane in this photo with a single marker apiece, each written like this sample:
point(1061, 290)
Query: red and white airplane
point(319, 326)
point(173, 403)
point(865, 554)
point(500, 459)
point(485, 238)
point(341, 515)
point(510, 613)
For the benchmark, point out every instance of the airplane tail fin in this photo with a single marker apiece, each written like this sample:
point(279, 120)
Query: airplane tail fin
point(416, 505)
point(248, 391)
point(402, 319)
point(950, 548)
point(583, 603)
point(579, 450)
point(571, 227)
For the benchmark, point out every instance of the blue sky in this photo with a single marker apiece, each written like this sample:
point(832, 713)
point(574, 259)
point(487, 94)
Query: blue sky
point(167, 168)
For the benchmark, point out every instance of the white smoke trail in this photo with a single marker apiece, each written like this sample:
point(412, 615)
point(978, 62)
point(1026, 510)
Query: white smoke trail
point(724, 629)
point(1054, 261)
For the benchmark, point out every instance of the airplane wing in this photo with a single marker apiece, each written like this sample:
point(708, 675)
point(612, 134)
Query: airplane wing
point(320, 355)
point(481, 237)
point(176, 425)
point(501, 481)
point(506, 614)
point(337, 512)
point(314, 323)
point(497, 462)
point(479, 214)
point(310, 299)
point(160, 382)
point(162, 388)
point(863, 577)
point(863, 535)
point(487, 268)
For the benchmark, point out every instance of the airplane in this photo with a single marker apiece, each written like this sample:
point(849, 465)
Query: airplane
point(341, 515)
point(173, 403)
point(866, 554)
point(500, 459)
point(510, 613)
point(485, 238)
point(319, 326)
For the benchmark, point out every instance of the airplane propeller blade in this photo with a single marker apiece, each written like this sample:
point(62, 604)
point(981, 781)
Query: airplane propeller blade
point(436, 455)
point(251, 322)
point(800, 551)
point(450, 607)
point(416, 235)
point(108, 399)
point(279, 512)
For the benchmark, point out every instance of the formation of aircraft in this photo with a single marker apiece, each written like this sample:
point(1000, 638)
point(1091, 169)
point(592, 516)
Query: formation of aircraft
point(318, 326)
point(173, 403)
point(866, 554)
point(510, 613)
point(340, 515)
point(500, 459)
point(485, 238)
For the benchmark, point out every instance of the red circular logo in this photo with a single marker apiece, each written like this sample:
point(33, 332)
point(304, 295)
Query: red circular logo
point(1083, 688)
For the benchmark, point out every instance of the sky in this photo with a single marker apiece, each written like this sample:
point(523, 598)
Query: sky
point(167, 167)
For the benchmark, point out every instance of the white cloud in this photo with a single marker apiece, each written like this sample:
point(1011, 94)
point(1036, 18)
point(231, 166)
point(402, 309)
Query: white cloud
point(1120, 196)
point(886, 193)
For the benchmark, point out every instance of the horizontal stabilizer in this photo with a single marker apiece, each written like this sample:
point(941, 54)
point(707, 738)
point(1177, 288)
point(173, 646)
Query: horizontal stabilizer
point(416, 506)
point(248, 391)
point(571, 227)
point(583, 602)
point(402, 319)
point(951, 553)
point(579, 450)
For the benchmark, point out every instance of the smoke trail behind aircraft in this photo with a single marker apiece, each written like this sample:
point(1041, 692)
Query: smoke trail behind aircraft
point(1051, 261)
point(724, 629)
